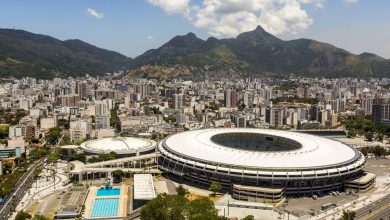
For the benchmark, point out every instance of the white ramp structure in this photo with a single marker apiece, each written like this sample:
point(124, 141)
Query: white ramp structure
point(144, 187)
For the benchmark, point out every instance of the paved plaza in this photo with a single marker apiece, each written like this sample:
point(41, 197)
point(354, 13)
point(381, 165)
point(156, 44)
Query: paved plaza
point(45, 194)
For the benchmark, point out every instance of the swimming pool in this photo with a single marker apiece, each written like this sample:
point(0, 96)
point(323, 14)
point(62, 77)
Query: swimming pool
point(108, 192)
point(103, 207)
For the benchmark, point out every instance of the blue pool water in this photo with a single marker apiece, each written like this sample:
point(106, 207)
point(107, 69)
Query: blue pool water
point(108, 192)
point(103, 207)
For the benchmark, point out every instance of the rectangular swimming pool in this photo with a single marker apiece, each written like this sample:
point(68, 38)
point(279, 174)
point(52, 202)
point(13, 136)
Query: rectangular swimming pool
point(105, 207)
point(108, 192)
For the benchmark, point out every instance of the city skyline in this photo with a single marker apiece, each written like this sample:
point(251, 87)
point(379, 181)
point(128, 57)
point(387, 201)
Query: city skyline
point(133, 27)
point(195, 109)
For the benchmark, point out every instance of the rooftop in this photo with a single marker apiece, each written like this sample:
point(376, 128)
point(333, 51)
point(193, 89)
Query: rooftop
point(143, 187)
point(120, 145)
point(313, 151)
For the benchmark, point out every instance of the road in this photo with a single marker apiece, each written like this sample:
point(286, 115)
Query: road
point(378, 209)
point(21, 188)
point(383, 213)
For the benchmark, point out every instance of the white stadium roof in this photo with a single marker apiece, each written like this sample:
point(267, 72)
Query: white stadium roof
point(120, 145)
point(314, 152)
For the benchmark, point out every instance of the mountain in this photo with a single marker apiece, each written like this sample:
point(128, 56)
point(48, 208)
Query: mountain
point(259, 51)
point(370, 56)
point(26, 54)
point(192, 51)
point(251, 53)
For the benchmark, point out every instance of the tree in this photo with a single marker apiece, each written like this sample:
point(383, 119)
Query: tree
point(165, 207)
point(79, 156)
point(202, 209)
point(379, 151)
point(4, 131)
point(213, 106)
point(92, 118)
point(351, 133)
point(248, 217)
point(114, 119)
point(34, 140)
point(215, 187)
point(156, 111)
point(170, 118)
point(175, 207)
point(181, 191)
point(37, 172)
point(348, 215)
point(54, 134)
point(364, 151)
point(379, 137)
point(22, 215)
point(63, 123)
point(118, 174)
point(20, 113)
point(39, 153)
point(241, 107)
point(55, 155)
point(93, 159)
point(369, 136)
point(40, 217)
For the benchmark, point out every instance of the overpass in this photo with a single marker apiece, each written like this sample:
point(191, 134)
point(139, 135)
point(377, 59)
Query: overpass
point(121, 162)
point(146, 163)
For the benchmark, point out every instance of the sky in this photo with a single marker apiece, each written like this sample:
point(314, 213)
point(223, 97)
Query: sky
point(131, 27)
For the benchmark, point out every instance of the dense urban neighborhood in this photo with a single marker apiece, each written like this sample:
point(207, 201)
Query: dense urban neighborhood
point(60, 137)
point(195, 110)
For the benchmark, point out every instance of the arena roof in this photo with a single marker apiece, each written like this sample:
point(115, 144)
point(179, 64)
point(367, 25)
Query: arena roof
point(314, 151)
point(119, 145)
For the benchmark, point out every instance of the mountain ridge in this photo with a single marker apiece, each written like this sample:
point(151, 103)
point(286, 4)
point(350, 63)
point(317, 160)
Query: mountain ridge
point(26, 54)
point(260, 51)
point(44, 56)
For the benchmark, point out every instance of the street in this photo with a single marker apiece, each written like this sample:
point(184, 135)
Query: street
point(376, 210)
point(382, 214)
point(22, 186)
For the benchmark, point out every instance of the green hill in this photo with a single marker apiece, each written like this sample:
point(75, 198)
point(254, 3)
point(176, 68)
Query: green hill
point(26, 54)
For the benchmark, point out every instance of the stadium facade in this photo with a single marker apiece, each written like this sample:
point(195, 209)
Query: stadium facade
point(264, 165)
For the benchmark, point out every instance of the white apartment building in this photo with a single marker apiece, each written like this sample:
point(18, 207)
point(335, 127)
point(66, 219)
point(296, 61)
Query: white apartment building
point(47, 123)
point(16, 131)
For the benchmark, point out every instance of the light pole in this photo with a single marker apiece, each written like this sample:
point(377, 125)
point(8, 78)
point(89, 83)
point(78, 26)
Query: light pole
point(228, 207)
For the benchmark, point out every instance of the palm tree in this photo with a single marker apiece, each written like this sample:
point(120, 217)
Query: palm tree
point(348, 215)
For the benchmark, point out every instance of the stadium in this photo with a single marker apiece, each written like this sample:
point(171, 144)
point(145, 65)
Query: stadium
point(264, 165)
point(119, 145)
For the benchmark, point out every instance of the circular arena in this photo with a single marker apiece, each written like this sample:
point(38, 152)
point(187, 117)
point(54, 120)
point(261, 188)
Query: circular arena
point(262, 164)
point(119, 145)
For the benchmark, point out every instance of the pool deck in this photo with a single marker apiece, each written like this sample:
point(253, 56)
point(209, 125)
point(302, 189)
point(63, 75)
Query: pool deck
point(122, 205)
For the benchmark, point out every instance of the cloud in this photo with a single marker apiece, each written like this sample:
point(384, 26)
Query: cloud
point(150, 38)
point(350, 1)
point(228, 18)
point(172, 6)
point(316, 3)
point(94, 13)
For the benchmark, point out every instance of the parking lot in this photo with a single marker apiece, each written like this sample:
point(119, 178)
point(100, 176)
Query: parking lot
point(302, 206)
point(379, 167)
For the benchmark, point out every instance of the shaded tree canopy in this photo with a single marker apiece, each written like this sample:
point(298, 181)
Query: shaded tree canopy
point(177, 207)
